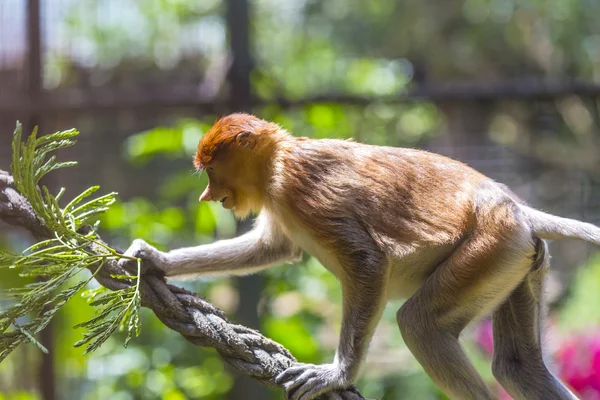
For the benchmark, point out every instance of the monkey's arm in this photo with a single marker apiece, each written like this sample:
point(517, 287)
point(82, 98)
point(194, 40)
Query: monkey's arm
point(264, 246)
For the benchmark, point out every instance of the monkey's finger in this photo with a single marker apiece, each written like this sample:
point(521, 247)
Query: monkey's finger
point(299, 381)
point(127, 265)
point(122, 263)
point(289, 373)
point(313, 394)
point(134, 251)
point(308, 390)
point(137, 248)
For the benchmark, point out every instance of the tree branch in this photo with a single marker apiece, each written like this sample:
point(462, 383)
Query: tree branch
point(194, 318)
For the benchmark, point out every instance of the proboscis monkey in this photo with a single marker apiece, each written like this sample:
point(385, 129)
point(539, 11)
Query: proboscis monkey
point(389, 223)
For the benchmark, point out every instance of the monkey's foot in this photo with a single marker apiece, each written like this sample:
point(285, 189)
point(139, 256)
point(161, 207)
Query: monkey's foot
point(308, 381)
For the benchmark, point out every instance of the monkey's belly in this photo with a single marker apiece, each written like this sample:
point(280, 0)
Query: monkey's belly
point(410, 272)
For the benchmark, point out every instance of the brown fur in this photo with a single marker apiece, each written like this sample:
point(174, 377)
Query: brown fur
point(238, 174)
point(388, 222)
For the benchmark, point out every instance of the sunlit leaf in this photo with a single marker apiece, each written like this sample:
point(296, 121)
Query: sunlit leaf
point(55, 263)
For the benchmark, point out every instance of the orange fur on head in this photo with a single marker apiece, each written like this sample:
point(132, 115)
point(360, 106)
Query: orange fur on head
point(240, 163)
point(389, 223)
point(223, 134)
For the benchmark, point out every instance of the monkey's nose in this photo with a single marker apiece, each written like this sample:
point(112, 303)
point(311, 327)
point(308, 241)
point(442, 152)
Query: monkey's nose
point(206, 195)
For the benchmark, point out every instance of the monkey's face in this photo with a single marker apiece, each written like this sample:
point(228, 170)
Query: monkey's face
point(218, 188)
point(235, 153)
point(231, 184)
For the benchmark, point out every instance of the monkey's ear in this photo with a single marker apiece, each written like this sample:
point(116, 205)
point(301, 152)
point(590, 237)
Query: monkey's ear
point(246, 139)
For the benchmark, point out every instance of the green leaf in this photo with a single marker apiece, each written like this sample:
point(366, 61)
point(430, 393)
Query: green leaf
point(57, 137)
point(80, 197)
point(7, 258)
point(32, 339)
point(56, 262)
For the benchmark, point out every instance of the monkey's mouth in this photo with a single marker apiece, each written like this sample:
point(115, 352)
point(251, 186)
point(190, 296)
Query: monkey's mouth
point(227, 202)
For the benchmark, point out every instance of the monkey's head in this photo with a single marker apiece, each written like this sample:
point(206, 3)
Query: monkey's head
point(236, 154)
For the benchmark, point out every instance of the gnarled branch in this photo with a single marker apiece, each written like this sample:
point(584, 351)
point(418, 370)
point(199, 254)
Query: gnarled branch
point(194, 318)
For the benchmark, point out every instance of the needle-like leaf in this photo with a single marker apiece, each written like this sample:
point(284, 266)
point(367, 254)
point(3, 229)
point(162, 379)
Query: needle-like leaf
point(55, 264)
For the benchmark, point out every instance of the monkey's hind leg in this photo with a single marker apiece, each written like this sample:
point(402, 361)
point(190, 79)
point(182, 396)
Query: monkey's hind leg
point(478, 276)
point(518, 363)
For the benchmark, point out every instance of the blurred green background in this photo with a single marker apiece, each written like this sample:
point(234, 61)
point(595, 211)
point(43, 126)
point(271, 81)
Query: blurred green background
point(510, 87)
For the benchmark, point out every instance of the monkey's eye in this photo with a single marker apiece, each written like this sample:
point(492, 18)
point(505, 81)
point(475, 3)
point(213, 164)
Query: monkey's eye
point(210, 169)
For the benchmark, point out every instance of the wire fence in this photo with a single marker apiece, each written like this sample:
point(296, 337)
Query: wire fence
point(57, 71)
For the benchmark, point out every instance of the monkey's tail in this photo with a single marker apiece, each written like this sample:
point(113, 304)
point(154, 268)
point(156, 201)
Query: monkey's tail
point(548, 226)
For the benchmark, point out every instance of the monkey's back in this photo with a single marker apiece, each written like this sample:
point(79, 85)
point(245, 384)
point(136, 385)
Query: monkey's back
point(398, 195)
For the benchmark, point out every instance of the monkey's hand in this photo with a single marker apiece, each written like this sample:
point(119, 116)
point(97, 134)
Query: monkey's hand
point(154, 261)
point(308, 381)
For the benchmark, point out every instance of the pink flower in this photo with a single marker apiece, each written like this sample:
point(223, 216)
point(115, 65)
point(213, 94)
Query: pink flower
point(503, 394)
point(579, 362)
point(484, 337)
